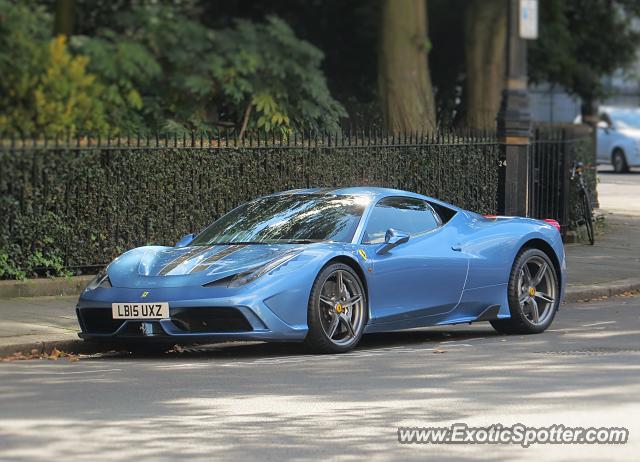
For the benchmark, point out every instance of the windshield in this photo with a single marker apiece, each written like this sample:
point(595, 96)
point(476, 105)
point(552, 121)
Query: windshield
point(298, 218)
point(626, 119)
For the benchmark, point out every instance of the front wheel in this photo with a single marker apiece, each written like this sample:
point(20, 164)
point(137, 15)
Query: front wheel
point(534, 294)
point(337, 311)
point(619, 162)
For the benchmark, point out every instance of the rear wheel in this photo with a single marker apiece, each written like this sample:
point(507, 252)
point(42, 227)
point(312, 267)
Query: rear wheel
point(588, 217)
point(619, 162)
point(337, 311)
point(534, 294)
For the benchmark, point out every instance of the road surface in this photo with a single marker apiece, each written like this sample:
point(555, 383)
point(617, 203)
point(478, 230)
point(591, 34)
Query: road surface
point(274, 402)
point(619, 192)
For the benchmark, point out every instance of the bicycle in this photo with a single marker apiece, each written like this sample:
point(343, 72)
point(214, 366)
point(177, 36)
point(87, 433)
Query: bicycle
point(585, 209)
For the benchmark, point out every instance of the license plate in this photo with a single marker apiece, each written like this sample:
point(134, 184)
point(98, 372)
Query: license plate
point(158, 310)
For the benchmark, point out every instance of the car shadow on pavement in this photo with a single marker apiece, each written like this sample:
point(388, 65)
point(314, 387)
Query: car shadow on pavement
point(423, 338)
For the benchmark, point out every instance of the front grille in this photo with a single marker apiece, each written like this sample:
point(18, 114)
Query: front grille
point(98, 320)
point(207, 319)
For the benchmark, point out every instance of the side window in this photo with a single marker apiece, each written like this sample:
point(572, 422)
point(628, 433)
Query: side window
point(407, 214)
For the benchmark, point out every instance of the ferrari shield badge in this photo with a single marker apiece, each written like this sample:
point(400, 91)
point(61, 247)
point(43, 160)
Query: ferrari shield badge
point(363, 254)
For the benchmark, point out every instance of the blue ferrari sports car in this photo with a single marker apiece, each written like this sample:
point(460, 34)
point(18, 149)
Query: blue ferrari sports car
point(324, 267)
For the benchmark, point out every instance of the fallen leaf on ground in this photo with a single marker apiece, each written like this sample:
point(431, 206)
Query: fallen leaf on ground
point(53, 355)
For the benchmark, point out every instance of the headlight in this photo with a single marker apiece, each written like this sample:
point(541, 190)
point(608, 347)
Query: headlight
point(246, 277)
point(101, 280)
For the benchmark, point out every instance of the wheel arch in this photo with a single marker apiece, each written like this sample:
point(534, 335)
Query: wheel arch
point(544, 246)
point(354, 265)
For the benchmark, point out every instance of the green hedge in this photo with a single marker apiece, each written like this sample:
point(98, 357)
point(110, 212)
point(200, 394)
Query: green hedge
point(78, 207)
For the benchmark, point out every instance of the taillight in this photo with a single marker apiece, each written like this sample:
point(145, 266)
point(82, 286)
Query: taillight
point(553, 223)
point(490, 217)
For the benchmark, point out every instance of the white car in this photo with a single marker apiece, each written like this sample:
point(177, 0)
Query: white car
point(619, 138)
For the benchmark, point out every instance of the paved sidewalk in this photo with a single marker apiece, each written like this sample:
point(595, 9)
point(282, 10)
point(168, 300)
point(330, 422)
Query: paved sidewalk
point(613, 264)
point(37, 322)
point(615, 257)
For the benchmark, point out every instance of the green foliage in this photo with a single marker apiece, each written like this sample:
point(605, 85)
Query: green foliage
point(44, 89)
point(582, 41)
point(153, 67)
point(268, 66)
point(35, 264)
point(8, 268)
point(211, 76)
point(82, 207)
point(22, 32)
point(124, 67)
point(66, 98)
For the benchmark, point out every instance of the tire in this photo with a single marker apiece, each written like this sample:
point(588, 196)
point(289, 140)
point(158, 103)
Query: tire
point(619, 161)
point(336, 317)
point(588, 217)
point(522, 319)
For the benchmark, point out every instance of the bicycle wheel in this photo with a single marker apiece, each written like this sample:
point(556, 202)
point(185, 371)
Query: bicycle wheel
point(588, 216)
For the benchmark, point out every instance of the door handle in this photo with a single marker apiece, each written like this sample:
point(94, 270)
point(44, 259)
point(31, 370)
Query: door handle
point(457, 247)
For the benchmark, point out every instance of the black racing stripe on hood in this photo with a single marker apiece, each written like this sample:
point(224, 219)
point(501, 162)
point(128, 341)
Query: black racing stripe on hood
point(206, 263)
point(182, 258)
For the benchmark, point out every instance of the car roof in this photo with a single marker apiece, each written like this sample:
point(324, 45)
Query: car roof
point(614, 109)
point(375, 193)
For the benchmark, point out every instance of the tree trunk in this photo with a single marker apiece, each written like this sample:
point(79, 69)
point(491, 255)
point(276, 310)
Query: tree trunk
point(65, 17)
point(485, 57)
point(403, 73)
point(588, 111)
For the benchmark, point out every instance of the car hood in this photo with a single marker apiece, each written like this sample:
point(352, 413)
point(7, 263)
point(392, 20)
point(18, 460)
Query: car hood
point(155, 266)
point(631, 133)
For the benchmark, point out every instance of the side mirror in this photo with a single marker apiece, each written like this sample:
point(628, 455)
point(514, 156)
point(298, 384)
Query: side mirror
point(185, 240)
point(392, 238)
point(603, 125)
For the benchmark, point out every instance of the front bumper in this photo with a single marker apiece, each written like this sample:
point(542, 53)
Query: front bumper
point(224, 315)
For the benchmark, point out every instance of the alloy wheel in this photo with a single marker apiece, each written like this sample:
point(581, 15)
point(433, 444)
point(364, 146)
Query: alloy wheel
point(537, 290)
point(342, 304)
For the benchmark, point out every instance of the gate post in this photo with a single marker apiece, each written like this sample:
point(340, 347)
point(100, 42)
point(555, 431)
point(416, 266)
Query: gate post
point(514, 118)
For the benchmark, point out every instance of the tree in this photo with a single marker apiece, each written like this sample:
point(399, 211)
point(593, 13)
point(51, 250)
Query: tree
point(581, 41)
point(403, 74)
point(249, 75)
point(485, 55)
point(147, 66)
point(65, 17)
point(446, 59)
point(44, 89)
